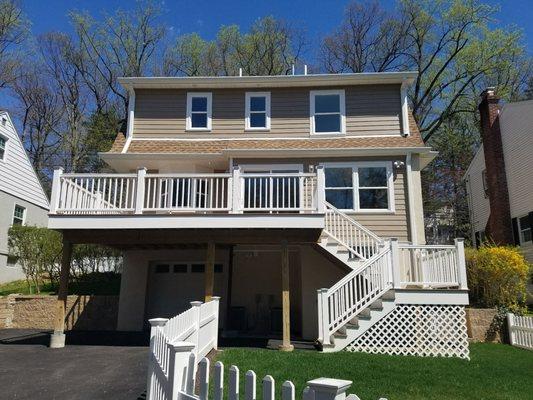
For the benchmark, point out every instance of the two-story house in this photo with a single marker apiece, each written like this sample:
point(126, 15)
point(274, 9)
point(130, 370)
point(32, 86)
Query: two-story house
point(22, 198)
point(296, 199)
point(498, 181)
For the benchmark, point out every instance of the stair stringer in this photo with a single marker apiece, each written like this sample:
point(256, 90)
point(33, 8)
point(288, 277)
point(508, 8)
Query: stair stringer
point(363, 325)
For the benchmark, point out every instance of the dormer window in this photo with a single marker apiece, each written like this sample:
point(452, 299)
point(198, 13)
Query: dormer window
point(199, 109)
point(327, 112)
point(3, 143)
point(257, 110)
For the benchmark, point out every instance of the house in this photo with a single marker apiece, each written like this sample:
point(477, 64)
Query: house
point(499, 182)
point(22, 198)
point(295, 199)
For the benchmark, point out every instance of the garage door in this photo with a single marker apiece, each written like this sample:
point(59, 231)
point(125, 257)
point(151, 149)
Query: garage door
point(173, 285)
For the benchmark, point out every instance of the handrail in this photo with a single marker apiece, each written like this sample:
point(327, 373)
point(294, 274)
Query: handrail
point(362, 227)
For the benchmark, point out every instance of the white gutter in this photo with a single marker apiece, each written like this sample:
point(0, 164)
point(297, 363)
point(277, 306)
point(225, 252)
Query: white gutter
point(131, 119)
point(411, 207)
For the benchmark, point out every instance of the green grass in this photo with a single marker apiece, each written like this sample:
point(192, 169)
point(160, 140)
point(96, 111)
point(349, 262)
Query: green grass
point(98, 284)
point(495, 371)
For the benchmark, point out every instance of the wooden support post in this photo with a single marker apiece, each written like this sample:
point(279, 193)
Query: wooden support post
point(210, 271)
point(285, 293)
point(57, 339)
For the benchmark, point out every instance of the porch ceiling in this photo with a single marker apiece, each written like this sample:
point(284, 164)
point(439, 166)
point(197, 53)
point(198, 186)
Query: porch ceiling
point(175, 238)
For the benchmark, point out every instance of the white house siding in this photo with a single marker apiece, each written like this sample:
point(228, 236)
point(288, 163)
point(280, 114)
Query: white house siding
point(17, 176)
point(18, 185)
point(34, 216)
point(478, 203)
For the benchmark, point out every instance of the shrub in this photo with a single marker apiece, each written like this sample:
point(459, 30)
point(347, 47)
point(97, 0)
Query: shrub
point(497, 276)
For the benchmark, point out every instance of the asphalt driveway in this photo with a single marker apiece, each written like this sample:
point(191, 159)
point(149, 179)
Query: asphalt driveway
point(92, 366)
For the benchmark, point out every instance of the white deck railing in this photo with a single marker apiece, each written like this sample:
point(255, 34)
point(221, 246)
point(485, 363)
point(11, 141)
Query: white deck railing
point(143, 193)
point(360, 241)
point(439, 266)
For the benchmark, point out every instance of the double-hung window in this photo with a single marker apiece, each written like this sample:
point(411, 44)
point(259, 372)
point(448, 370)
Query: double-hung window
point(257, 110)
point(524, 229)
point(361, 187)
point(199, 109)
point(3, 145)
point(327, 112)
point(19, 215)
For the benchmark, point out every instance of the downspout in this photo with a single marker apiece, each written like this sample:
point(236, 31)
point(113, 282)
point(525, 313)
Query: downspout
point(131, 118)
point(411, 206)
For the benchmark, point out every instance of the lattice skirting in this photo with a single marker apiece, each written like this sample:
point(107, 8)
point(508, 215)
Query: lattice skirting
point(418, 330)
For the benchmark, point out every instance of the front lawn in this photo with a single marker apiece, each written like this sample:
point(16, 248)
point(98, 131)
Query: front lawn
point(495, 371)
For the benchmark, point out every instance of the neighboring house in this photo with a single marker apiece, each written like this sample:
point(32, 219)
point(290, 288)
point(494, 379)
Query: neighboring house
point(499, 179)
point(22, 198)
point(440, 226)
point(263, 190)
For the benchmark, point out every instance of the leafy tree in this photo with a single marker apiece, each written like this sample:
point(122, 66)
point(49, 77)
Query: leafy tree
point(38, 251)
point(14, 29)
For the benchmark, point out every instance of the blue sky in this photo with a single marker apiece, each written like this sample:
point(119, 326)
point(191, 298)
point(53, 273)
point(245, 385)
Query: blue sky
point(205, 17)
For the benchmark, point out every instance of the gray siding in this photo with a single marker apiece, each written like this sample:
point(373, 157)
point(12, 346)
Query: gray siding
point(370, 110)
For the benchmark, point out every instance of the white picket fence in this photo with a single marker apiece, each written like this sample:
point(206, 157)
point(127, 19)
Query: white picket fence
point(197, 327)
point(187, 388)
point(520, 331)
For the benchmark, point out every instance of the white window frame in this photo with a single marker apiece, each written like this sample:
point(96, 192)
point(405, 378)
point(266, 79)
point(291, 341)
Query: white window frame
point(190, 96)
point(6, 141)
point(520, 230)
point(355, 184)
point(248, 111)
point(23, 214)
point(342, 110)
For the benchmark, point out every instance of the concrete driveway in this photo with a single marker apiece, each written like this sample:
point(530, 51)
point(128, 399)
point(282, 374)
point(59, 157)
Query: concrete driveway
point(92, 366)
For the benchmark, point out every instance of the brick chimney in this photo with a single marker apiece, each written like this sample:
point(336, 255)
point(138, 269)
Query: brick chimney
point(499, 227)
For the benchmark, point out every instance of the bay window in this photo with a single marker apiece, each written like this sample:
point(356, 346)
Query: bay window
point(361, 187)
point(327, 112)
point(199, 109)
point(257, 110)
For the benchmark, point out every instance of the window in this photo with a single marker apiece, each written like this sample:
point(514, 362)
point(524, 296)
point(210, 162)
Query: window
point(162, 268)
point(366, 187)
point(485, 184)
point(524, 229)
point(3, 144)
point(199, 106)
point(19, 215)
point(257, 111)
point(180, 268)
point(327, 112)
point(197, 268)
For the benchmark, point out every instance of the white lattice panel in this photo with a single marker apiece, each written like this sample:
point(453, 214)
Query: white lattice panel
point(418, 330)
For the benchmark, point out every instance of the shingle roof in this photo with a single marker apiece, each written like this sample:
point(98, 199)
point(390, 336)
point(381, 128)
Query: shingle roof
point(218, 146)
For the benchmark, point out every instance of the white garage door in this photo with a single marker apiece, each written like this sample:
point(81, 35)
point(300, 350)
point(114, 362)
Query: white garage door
point(173, 285)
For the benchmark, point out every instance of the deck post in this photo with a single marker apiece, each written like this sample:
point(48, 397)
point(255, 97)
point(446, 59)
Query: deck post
point(396, 266)
point(139, 194)
point(285, 273)
point(56, 190)
point(210, 272)
point(320, 190)
point(236, 201)
point(57, 339)
point(461, 263)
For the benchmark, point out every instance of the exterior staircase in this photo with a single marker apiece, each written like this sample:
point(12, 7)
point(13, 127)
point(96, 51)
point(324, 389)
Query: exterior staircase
point(362, 297)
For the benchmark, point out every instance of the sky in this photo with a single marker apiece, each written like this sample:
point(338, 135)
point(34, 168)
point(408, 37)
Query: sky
point(205, 17)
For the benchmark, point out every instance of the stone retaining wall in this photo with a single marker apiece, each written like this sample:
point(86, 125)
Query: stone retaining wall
point(38, 312)
point(478, 322)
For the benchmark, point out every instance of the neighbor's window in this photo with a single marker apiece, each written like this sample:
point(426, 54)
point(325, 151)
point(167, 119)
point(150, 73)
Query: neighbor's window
point(360, 186)
point(257, 110)
point(327, 112)
point(525, 229)
point(3, 143)
point(18, 215)
point(199, 107)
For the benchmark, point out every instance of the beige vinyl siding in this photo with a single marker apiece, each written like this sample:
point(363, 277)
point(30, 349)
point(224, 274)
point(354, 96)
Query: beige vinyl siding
point(370, 110)
point(384, 224)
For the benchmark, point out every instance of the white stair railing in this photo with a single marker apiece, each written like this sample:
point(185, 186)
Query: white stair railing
point(360, 241)
point(353, 293)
